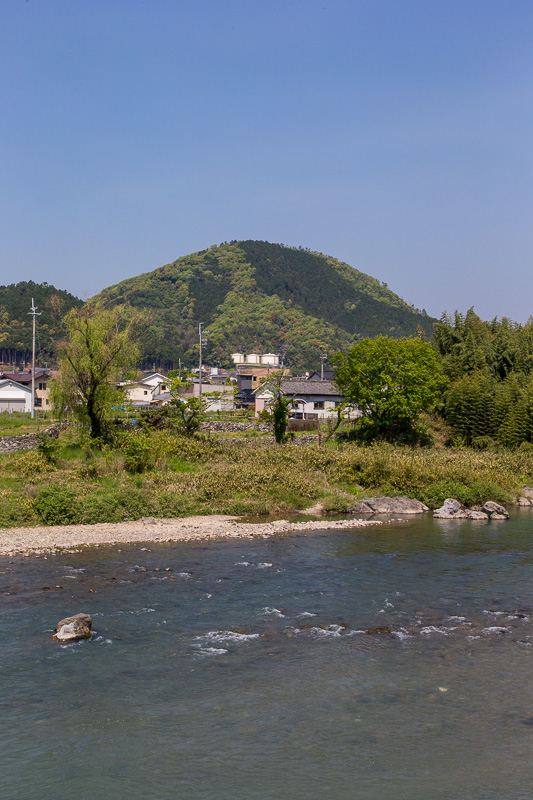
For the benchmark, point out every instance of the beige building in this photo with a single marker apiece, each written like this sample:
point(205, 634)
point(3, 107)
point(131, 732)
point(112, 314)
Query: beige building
point(256, 367)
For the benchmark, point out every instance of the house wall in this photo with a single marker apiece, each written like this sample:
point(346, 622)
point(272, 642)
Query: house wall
point(138, 393)
point(15, 398)
point(313, 406)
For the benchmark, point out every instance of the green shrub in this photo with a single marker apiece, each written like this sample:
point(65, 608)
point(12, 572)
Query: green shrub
point(134, 502)
point(48, 448)
point(100, 508)
point(483, 443)
point(30, 464)
point(113, 505)
point(56, 505)
point(245, 507)
point(16, 510)
point(338, 504)
point(138, 452)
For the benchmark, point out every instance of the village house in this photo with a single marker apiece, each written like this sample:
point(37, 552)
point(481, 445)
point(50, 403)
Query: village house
point(14, 396)
point(42, 385)
point(142, 393)
point(309, 399)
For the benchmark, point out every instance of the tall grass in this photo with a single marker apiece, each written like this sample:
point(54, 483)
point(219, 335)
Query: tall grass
point(180, 475)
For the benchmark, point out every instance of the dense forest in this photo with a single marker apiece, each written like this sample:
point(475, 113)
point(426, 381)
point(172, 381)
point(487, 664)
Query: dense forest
point(16, 321)
point(490, 370)
point(260, 297)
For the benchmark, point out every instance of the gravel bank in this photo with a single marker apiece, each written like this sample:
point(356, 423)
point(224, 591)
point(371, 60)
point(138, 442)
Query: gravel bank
point(17, 541)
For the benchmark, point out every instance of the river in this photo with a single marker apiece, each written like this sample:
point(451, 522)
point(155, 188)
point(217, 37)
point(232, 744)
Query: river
point(244, 670)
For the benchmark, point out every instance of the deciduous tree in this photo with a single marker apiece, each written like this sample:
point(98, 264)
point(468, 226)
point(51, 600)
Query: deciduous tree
point(97, 353)
point(391, 381)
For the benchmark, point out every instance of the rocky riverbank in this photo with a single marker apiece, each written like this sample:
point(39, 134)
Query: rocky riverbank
point(24, 541)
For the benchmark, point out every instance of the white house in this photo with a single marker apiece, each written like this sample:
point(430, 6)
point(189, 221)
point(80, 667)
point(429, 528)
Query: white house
point(160, 383)
point(222, 400)
point(309, 399)
point(14, 396)
point(138, 392)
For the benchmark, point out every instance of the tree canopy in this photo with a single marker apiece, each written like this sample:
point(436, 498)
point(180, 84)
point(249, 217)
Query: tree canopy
point(391, 381)
point(98, 352)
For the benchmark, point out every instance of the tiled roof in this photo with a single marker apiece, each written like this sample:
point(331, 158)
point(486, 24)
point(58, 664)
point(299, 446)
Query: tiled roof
point(293, 388)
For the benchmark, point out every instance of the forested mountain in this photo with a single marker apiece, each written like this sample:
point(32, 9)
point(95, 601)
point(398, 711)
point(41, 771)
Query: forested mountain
point(260, 297)
point(16, 322)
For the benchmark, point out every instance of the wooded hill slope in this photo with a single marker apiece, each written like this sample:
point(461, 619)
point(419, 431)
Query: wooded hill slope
point(16, 323)
point(259, 297)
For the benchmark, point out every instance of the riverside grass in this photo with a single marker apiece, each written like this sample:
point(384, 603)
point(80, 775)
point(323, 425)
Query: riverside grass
point(162, 474)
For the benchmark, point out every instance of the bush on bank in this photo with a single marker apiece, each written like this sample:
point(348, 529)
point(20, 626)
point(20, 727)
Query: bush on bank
point(160, 473)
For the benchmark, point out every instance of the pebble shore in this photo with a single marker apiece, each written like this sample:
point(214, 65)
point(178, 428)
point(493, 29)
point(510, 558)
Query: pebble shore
point(26, 541)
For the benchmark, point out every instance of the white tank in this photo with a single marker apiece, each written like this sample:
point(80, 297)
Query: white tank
point(238, 358)
point(253, 358)
point(271, 359)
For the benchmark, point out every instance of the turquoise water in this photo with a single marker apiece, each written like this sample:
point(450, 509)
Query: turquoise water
point(244, 671)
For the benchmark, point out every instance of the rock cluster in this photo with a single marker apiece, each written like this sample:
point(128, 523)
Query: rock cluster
point(71, 629)
point(452, 509)
point(388, 505)
point(526, 498)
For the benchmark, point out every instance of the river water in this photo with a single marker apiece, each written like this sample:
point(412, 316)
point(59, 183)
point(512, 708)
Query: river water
point(243, 670)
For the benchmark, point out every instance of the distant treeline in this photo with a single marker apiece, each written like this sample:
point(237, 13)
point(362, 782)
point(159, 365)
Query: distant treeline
point(490, 369)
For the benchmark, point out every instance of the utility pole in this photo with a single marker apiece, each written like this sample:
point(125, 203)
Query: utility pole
point(34, 313)
point(323, 357)
point(200, 326)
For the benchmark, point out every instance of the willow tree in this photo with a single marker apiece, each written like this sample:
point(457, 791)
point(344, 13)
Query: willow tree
point(98, 352)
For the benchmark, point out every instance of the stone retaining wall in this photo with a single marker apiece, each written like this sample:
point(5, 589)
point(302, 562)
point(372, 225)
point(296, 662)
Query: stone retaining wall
point(29, 441)
point(216, 426)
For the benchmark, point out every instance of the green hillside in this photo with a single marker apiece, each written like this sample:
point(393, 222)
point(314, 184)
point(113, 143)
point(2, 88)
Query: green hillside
point(261, 297)
point(16, 324)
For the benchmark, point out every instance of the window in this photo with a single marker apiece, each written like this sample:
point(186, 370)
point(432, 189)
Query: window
point(163, 387)
point(146, 391)
point(318, 404)
point(42, 387)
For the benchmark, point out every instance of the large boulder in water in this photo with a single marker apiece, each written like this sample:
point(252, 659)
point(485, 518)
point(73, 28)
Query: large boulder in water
point(495, 510)
point(388, 505)
point(450, 509)
point(71, 629)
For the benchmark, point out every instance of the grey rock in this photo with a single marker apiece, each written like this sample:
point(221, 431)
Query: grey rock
point(524, 501)
point(71, 629)
point(477, 515)
point(527, 491)
point(393, 505)
point(360, 507)
point(450, 509)
point(493, 509)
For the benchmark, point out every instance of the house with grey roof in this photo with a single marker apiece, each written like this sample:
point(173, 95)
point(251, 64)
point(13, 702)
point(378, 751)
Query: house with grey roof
point(309, 399)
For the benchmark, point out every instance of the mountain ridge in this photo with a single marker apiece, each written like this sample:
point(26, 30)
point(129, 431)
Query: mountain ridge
point(261, 296)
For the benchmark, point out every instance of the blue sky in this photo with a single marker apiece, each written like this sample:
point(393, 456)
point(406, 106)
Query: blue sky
point(395, 135)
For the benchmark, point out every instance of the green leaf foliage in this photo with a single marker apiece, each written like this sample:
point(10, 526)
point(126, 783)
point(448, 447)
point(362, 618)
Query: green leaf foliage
point(391, 381)
point(490, 364)
point(96, 355)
